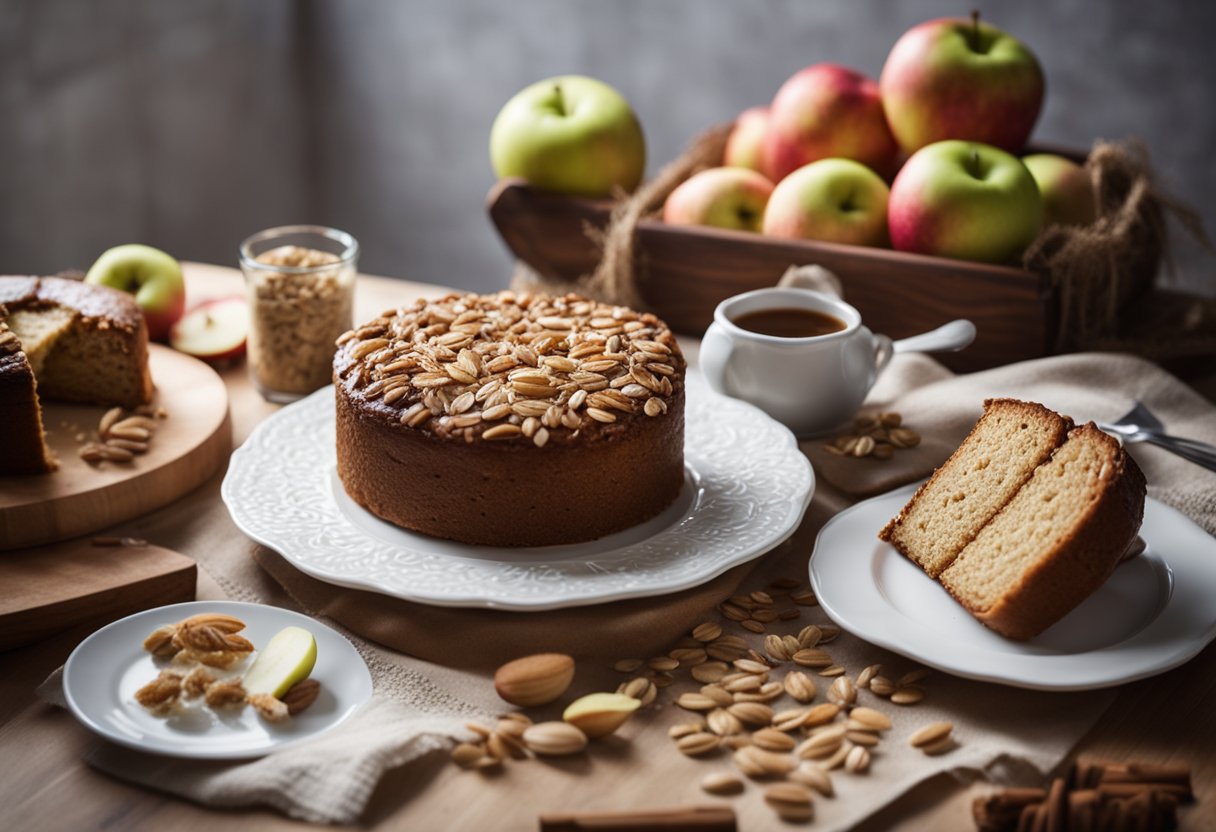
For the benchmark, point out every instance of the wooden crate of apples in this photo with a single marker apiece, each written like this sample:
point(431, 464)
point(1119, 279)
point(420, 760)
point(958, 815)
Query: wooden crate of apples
point(910, 188)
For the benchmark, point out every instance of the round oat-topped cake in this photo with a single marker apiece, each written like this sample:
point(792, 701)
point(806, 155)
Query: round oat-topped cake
point(511, 420)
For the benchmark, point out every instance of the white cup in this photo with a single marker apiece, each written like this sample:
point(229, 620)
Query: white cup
point(814, 384)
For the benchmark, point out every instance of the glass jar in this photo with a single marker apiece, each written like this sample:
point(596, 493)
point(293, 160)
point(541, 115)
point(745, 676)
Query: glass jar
point(300, 281)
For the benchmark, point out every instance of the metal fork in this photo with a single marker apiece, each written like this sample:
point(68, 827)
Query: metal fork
point(1140, 425)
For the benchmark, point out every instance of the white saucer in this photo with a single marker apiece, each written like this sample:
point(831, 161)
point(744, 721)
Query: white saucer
point(1154, 613)
point(746, 489)
point(104, 671)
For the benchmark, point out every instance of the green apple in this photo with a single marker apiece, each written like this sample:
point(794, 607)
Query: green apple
point(964, 200)
point(571, 134)
point(833, 200)
point(154, 277)
point(286, 659)
point(1068, 192)
point(722, 197)
point(961, 79)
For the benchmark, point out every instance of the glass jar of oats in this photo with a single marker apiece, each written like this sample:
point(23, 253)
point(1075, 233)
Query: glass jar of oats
point(300, 281)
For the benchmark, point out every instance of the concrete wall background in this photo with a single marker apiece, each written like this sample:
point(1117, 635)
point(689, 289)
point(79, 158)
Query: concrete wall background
point(191, 124)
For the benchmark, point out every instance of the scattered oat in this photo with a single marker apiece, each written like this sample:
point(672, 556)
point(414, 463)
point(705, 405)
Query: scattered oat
point(721, 782)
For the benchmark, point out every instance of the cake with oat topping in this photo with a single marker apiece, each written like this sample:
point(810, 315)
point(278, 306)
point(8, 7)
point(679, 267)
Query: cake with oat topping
point(64, 340)
point(511, 420)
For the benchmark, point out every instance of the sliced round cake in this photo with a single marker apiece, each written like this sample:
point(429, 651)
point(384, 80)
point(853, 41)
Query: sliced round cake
point(63, 340)
point(511, 420)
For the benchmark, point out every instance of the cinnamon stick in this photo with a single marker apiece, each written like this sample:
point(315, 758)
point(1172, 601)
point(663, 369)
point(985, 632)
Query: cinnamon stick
point(1094, 795)
point(685, 819)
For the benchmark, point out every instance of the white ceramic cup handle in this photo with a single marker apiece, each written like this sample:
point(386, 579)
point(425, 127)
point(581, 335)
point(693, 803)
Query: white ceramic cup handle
point(884, 350)
point(950, 337)
point(716, 350)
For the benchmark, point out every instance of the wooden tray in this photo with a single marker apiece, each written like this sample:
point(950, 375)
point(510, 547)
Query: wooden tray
point(190, 445)
point(53, 588)
point(685, 272)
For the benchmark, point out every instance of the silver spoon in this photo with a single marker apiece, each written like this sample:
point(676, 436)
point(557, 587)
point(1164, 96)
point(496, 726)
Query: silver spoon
point(1140, 425)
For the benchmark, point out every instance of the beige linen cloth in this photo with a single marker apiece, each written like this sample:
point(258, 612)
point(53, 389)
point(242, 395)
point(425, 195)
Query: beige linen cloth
point(441, 676)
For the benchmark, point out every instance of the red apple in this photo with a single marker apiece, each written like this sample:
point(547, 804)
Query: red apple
point(961, 79)
point(834, 200)
point(964, 200)
point(722, 197)
point(214, 330)
point(824, 111)
point(745, 145)
point(1068, 192)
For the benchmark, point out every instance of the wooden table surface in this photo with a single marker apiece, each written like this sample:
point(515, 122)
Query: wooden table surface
point(44, 784)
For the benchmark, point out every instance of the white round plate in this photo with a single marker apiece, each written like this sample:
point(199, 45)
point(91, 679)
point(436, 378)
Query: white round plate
point(1153, 614)
point(104, 671)
point(746, 488)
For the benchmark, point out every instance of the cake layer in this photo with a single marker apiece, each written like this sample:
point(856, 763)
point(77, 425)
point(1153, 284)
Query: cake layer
point(997, 457)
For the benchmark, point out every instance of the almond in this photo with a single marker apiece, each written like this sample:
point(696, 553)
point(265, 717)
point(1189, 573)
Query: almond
point(534, 680)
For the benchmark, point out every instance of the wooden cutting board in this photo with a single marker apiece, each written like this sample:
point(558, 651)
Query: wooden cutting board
point(53, 588)
point(189, 447)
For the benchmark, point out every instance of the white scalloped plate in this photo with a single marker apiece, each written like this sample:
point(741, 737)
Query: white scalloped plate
point(746, 489)
point(1153, 614)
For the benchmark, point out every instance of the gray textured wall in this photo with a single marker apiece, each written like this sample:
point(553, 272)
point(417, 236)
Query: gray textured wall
point(190, 124)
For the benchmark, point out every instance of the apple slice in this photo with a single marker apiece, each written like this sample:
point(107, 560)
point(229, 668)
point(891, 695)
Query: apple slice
point(286, 659)
point(213, 331)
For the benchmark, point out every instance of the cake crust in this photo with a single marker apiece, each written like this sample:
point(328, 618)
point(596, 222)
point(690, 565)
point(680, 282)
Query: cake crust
point(511, 420)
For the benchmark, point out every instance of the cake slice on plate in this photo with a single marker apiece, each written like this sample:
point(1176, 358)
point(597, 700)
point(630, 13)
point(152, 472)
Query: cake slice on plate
point(1026, 519)
point(1056, 541)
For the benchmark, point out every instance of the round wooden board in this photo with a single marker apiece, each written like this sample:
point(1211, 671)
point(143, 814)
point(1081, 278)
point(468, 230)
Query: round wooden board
point(190, 445)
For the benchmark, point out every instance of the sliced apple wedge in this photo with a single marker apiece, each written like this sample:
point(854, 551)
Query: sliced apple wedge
point(213, 331)
point(286, 659)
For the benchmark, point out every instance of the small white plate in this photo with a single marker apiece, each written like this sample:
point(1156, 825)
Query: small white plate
point(746, 488)
point(1154, 613)
point(104, 671)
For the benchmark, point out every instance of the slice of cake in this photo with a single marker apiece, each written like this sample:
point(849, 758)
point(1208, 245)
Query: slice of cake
point(1000, 454)
point(1056, 541)
point(1026, 519)
point(63, 340)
